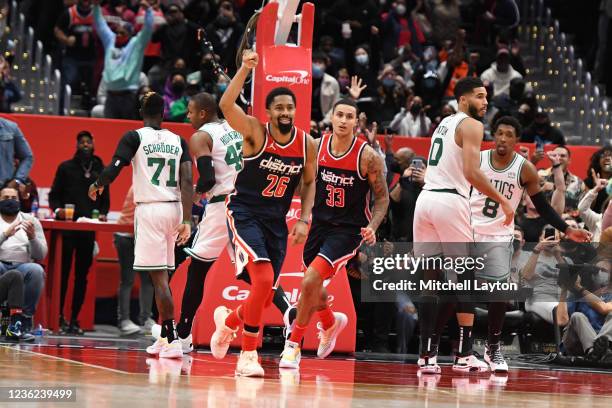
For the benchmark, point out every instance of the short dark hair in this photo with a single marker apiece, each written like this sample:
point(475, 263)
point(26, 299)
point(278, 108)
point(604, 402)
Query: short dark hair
point(82, 134)
point(467, 85)
point(205, 101)
point(569, 152)
point(281, 90)
point(509, 121)
point(346, 101)
point(152, 105)
point(319, 55)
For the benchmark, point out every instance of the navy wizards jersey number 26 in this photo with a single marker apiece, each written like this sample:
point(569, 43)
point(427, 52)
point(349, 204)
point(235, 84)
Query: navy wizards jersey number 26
point(266, 183)
point(343, 193)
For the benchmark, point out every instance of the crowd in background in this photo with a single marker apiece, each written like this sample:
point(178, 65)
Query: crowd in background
point(400, 60)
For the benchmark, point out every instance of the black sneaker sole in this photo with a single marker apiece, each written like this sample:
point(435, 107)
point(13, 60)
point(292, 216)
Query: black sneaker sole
point(600, 346)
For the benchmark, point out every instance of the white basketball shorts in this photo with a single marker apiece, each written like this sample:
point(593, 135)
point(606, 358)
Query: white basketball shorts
point(155, 234)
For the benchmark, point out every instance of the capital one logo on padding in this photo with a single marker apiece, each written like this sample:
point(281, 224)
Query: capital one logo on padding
point(292, 77)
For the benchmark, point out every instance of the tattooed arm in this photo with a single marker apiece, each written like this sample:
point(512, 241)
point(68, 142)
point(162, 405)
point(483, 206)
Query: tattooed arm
point(372, 165)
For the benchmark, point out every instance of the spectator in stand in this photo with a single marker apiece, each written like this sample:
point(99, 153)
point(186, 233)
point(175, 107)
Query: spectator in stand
point(205, 78)
point(14, 146)
point(455, 67)
point(98, 110)
point(334, 54)
point(75, 33)
point(123, 58)
point(178, 39)
point(593, 219)
point(504, 40)
point(173, 91)
point(600, 167)
point(152, 54)
point(355, 17)
point(22, 244)
point(392, 95)
point(542, 131)
point(325, 90)
point(9, 90)
point(501, 73)
point(445, 18)
point(225, 34)
point(124, 243)
point(412, 120)
point(495, 15)
point(200, 12)
point(70, 186)
point(446, 110)
point(399, 27)
point(573, 184)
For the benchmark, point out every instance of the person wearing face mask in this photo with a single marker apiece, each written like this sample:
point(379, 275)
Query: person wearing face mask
point(173, 91)
point(587, 316)
point(365, 64)
point(501, 73)
point(70, 186)
point(178, 39)
point(412, 121)
point(22, 244)
point(542, 131)
point(325, 90)
point(225, 33)
point(123, 59)
point(399, 28)
point(600, 168)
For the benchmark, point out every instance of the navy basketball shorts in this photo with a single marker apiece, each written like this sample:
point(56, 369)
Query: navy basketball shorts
point(329, 247)
point(256, 239)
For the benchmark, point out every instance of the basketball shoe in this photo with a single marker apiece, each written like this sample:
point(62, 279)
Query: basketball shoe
point(469, 364)
point(494, 357)
point(248, 365)
point(186, 343)
point(327, 338)
point(291, 356)
point(223, 335)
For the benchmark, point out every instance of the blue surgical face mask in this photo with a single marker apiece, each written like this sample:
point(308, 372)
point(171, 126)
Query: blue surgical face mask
point(9, 207)
point(317, 71)
point(221, 87)
point(362, 59)
point(388, 83)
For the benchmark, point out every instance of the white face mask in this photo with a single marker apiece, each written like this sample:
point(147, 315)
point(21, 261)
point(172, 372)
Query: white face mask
point(602, 279)
point(362, 59)
point(400, 9)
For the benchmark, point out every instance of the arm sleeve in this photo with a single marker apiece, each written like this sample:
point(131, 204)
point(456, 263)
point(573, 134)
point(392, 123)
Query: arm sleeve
point(547, 212)
point(128, 145)
point(24, 153)
point(38, 246)
point(185, 157)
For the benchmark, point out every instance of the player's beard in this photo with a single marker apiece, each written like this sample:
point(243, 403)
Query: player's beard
point(285, 128)
point(473, 112)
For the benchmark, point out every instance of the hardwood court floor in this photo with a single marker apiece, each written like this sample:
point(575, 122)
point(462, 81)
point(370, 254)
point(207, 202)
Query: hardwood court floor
point(128, 378)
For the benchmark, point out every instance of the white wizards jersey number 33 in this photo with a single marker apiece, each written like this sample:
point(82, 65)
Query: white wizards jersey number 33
point(156, 166)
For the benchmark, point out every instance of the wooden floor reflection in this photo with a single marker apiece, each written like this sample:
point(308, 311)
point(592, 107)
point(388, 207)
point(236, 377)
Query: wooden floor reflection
point(106, 378)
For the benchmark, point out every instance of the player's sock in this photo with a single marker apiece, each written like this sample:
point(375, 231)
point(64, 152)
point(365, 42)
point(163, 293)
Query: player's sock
point(250, 336)
point(326, 316)
point(465, 341)
point(234, 319)
point(169, 330)
point(280, 300)
point(192, 297)
point(496, 317)
point(297, 334)
point(262, 279)
point(428, 311)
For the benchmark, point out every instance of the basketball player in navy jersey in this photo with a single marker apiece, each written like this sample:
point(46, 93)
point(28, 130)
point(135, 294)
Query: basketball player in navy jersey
point(348, 172)
point(276, 157)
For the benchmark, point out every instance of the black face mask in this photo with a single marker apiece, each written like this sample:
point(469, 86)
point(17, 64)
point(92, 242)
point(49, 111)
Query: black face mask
point(84, 155)
point(395, 167)
point(178, 87)
point(223, 21)
point(285, 128)
point(9, 207)
point(541, 127)
point(416, 109)
point(516, 245)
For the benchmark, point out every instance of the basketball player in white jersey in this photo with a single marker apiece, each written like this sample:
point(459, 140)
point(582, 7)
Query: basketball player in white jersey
point(511, 174)
point(442, 224)
point(163, 193)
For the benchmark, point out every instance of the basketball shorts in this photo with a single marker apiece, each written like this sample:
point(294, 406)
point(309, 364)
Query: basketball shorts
point(211, 237)
point(256, 239)
point(442, 225)
point(336, 244)
point(496, 252)
point(155, 235)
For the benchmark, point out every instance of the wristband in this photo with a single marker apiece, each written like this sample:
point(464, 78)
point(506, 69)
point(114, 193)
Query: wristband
point(186, 222)
point(556, 165)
